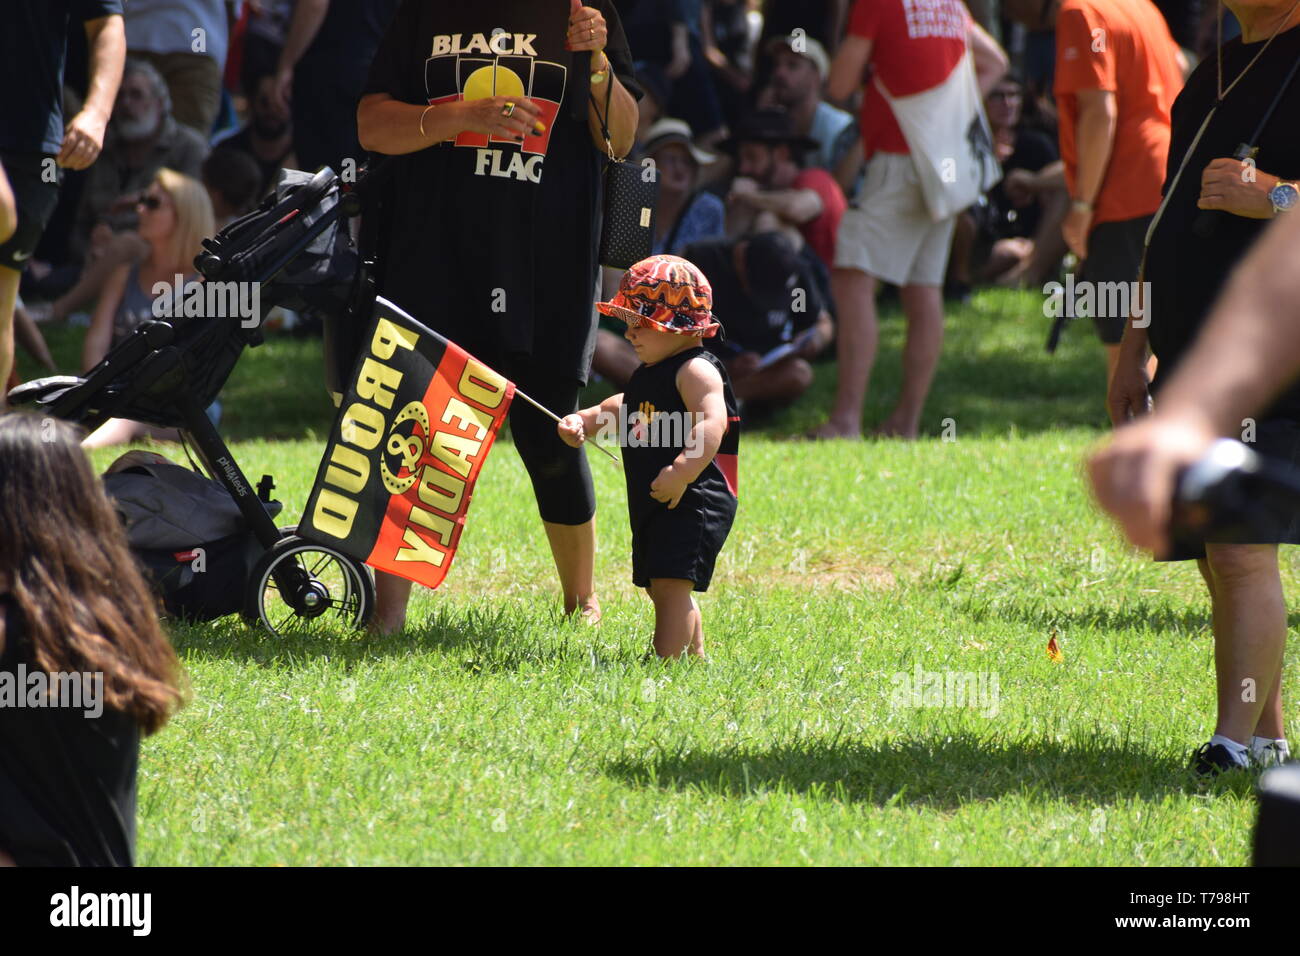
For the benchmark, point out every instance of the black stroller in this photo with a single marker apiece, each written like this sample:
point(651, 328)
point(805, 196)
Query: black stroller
point(298, 250)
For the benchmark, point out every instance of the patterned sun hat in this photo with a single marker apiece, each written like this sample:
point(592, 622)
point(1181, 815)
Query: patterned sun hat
point(667, 293)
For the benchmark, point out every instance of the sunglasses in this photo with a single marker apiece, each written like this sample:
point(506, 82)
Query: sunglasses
point(152, 203)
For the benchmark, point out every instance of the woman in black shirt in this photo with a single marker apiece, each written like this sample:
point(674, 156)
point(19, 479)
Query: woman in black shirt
point(71, 604)
point(1214, 211)
point(493, 213)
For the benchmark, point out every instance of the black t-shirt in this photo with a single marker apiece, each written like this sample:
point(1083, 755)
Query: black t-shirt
point(345, 43)
point(1033, 150)
point(747, 326)
point(33, 48)
point(1183, 18)
point(1187, 267)
point(67, 781)
point(651, 445)
point(649, 24)
point(494, 244)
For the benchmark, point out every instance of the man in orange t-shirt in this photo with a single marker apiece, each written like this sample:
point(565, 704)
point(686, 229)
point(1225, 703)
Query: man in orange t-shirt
point(1118, 71)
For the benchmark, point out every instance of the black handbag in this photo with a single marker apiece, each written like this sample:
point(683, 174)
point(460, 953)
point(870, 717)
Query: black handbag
point(628, 218)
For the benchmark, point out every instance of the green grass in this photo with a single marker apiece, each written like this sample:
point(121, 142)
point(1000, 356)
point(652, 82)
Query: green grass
point(495, 733)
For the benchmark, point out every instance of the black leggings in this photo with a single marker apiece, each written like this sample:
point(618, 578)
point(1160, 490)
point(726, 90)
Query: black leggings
point(560, 475)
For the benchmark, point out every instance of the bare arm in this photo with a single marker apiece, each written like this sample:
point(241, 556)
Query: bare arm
point(1095, 136)
point(589, 31)
point(839, 23)
point(990, 60)
point(1051, 176)
point(824, 331)
point(84, 137)
point(100, 334)
point(848, 69)
point(681, 52)
point(792, 205)
point(308, 15)
point(8, 211)
point(716, 58)
point(575, 428)
point(624, 114)
point(389, 126)
point(700, 386)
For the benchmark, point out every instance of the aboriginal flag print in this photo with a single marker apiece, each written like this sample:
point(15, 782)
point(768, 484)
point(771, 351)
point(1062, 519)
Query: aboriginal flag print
point(414, 428)
point(523, 58)
point(473, 77)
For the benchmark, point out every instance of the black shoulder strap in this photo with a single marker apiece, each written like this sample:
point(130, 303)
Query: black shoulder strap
point(609, 96)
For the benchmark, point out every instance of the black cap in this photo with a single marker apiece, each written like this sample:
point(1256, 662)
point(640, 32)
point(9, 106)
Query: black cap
point(772, 269)
point(767, 126)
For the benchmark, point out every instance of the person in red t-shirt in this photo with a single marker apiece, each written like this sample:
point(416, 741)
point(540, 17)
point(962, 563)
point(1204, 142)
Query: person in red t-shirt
point(774, 192)
point(908, 47)
point(1118, 71)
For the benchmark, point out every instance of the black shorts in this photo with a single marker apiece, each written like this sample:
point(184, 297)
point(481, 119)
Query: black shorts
point(682, 542)
point(35, 199)
point(1279, 439)
point(1114, 255)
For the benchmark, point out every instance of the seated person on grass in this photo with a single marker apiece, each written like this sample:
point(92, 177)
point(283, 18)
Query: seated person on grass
point(175, 216)
point(772, 312)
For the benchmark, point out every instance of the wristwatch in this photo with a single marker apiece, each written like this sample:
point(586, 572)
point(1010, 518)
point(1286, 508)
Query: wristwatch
point(1284, 196)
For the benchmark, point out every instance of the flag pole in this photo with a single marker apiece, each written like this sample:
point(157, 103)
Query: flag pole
point(556, 418)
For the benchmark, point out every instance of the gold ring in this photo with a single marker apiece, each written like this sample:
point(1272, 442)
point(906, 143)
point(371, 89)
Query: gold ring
point(593, 35)
point(508, 109)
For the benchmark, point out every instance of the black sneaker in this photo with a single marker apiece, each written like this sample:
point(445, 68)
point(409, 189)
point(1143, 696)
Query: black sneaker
point(1210, 760)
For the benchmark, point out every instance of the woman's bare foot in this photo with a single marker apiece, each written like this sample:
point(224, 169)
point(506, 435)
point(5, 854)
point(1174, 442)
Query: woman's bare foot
point(588, 612)
point(830, 429)
point(385, 626)
point(895, 426)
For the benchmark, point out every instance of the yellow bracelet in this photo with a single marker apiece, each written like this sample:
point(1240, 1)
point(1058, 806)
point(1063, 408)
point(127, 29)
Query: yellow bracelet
point(598, 76)
point(422, 115)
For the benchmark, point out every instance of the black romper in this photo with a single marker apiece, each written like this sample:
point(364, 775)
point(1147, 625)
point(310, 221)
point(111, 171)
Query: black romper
point(682, 542)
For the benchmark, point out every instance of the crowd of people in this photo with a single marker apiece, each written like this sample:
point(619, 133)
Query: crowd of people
point(806, 155)
point(762, 119)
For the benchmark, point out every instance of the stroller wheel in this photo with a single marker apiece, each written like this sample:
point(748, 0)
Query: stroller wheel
point(299, 584)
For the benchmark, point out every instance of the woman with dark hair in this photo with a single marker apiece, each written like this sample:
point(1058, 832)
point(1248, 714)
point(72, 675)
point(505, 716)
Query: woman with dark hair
point(75, 615)
point(488, 233)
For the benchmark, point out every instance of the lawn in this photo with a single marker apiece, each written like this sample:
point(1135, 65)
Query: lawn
point(494, 732)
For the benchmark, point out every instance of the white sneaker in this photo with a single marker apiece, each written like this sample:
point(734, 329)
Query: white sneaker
point(1268, 755)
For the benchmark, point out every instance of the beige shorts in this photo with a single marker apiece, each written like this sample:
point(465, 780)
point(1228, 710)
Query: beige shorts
point(888, 232)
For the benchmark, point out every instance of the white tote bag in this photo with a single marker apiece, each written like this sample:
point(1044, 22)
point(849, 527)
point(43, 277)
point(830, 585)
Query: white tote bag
point(950, 140)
